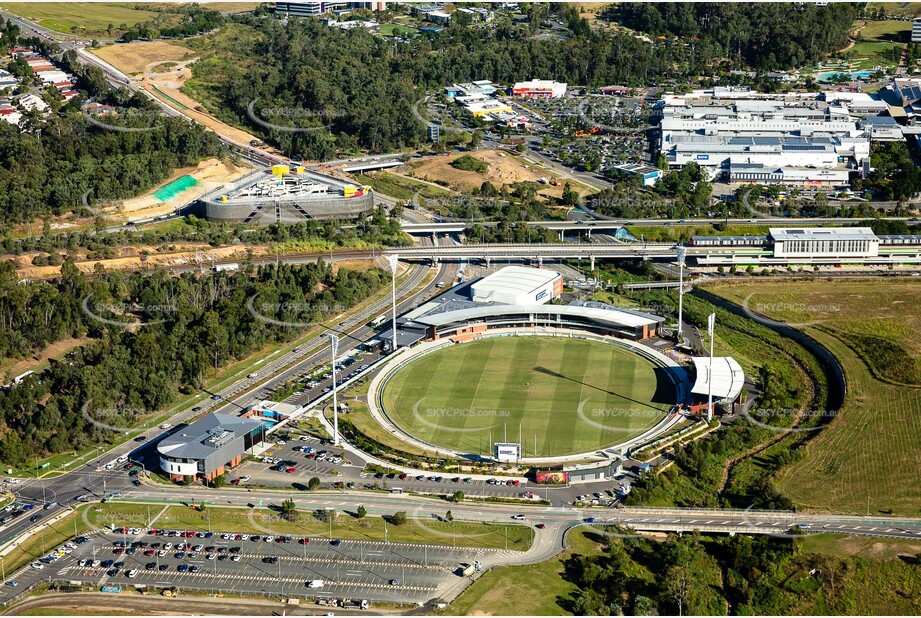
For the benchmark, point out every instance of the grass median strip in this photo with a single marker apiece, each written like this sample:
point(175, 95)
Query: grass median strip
point(345, 525)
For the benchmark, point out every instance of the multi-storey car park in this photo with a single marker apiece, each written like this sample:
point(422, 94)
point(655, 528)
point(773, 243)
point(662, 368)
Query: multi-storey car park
point(282, 194)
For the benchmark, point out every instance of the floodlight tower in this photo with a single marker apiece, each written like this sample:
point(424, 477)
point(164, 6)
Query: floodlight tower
point(681, 252)
point(334, 350)
point(711, 323)
point(394, 262)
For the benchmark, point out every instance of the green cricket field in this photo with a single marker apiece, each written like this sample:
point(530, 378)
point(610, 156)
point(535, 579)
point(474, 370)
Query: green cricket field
point(557, 396)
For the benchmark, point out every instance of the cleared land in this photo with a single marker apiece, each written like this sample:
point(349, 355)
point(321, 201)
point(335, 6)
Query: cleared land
point(569, 395)
point(504, 169)
point(134, 58)
point(871, 451)
point(93, 17)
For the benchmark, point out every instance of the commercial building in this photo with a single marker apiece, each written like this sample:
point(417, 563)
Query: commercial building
point(800, 177)
point(315, 9)
point(488, 107)
point(207, 447)
point(724, 128)
point(518, 285)
point(650, 175)
point(539, 88)
point(480, 87)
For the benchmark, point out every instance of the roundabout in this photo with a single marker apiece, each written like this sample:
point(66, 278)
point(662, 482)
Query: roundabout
point(560, 395)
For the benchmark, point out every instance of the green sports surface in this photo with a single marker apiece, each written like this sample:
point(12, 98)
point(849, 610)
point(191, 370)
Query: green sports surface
point(568, 395)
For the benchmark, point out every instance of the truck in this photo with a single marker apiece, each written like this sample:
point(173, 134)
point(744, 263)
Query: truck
point(226, 267)
point(466, 570)
point(315, 583)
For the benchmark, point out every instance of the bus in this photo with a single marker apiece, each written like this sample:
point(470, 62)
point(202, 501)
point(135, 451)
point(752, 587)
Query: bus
point(379, 320)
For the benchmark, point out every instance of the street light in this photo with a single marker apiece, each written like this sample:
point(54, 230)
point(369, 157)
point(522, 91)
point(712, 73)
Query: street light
point(394, 259)
point(681, 252)
point(334, 348)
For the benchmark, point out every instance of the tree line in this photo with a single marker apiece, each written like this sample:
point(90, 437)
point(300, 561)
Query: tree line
point(192, 20)
point(153, 338)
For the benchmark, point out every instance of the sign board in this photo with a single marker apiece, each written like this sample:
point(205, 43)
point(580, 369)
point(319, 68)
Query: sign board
point(507, 451)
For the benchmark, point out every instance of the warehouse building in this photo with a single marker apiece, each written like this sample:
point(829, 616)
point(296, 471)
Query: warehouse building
point(824, 242)
point(209, 446)
point(800, 177)
point(518, 285)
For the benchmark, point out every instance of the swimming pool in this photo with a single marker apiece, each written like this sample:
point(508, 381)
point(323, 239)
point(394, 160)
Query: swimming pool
point(174, 188)
point(827, 75)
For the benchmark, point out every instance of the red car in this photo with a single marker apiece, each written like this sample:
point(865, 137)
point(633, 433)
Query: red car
point(235, 482)
point(118, 551)
point(304, 540)
point(540, 526)
point(291, 470)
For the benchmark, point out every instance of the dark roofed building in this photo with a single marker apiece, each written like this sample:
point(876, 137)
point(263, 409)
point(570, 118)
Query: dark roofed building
point(208, 446)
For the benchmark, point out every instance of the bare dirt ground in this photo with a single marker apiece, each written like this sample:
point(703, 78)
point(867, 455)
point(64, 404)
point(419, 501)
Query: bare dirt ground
point(131, 258)
point(504, 169)
point(169, 83)
point(134, 58)
point(210, 174)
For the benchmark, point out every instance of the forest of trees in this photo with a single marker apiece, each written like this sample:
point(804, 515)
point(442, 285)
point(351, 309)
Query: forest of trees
point(895, 176)
point(193, 325)
point(47, 166)
point(46, 169)
point(695, 575)
point(341, 77)
point(766, 36)
point(192, 20)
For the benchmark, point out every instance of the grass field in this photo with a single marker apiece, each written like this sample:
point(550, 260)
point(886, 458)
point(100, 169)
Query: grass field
point(346, 526)
point(571, 395)
point(870, 454)
point(94, 17)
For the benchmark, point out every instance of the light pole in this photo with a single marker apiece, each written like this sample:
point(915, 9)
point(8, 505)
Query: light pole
point(394, 262)
point(711, 322)
point(334, 349)
point(681, 251)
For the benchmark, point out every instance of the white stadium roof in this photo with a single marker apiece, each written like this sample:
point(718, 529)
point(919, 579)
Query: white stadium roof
point(728, 377)
point(515, 278)
point(603, 316)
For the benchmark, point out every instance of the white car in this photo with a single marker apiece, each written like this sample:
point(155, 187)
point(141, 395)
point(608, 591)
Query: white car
point(132, 573)
point(280, 443)
point(518, 517)
point(95, 564)
point(165, 426)
point(38, 566)
point(245, 478)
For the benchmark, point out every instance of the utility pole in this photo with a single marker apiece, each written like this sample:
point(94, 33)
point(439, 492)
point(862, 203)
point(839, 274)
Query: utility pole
point(334, 349)
point(394, 261)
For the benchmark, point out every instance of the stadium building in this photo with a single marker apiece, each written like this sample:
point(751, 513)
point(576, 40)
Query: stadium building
point(281, 194)
point(210, 445)
point(518, 285)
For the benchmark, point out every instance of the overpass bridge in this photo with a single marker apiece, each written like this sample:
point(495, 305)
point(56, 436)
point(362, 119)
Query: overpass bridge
point(536, 252)
point(456, 227)
point(750, 521)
